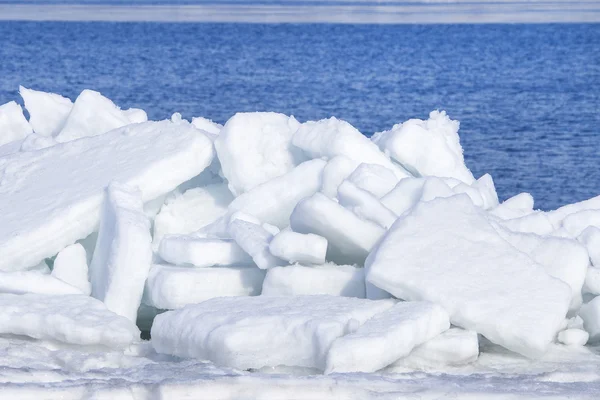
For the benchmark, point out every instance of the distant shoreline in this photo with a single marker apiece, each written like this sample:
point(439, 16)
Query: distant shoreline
point(443, 13)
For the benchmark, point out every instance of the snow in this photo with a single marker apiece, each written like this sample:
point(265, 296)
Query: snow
point(590, 313)
point(188, 212)
point(51, 198)
point(387, 337)
point(592, 281)
point(333, 137)
point(573, 337)
point(335, 172)
point(263, 331)
point(298, 247)
point(207, 125)
point(92, 114)
point(349, 238)
point(517, 206)
point(254, 240)
point(365, 205)
point(575, 224)
point(71, 266)
point(256, 147)
point(170, 287)
point(445, 251)
point(452, 347)
point(331, 279)
point(373, 178)
point(187, 250)
point(74, 319)
point(123, 253)
point(590, 238)
point(47, 111)
point(21, 282)
point(13, 125)
point(427, 148)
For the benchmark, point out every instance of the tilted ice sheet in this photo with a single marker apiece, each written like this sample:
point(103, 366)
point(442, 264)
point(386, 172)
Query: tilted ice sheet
point(47, 111)
point(20, 282)
point(53, 197)
point(202, 252)
point(170, 287)
point(262, 331)
point(446, 251)
point(71, 266)
point(298, 247)
point(75, 319)
point(13, 125)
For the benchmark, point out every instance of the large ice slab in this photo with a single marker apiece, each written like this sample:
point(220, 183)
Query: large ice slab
point(365, 205)
point(171, 287)
point(331, 279)
point(51, 198)
point(74, 319)
point(47, 111)
point(254, 239)
point(202, 252)
point(13, 125)
point(71, 266)
point(297, 247)
point(123, 253)
point(255, 332)
point(256, 147)
point(446, 251)
point(349, 238)
point(375, 179)
point(332, 137)
point(273, 201)
point(335, 172)
point(387, 337)
point(20, 282)
point(427, 148)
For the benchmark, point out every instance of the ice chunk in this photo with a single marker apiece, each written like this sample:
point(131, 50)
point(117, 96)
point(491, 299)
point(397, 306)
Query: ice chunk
point(123, 253)
point(452, 347)
point(47, 111)
point(171, 287)
point(136, 115)
point(298, 247)
point(516, 207)
point(192, 210)
point(349, 238)
point(333, 137)
point(365, 205)
point(273, 201)
point(202, 252)
point(574, 224)
point(592, 281)
point(13, 125)
point(573, 337)
point(387, 337)
point(427, 148)
point(254, 240)
point(373, 178)
point(590, 238)
point(558, 215)
point(256, 147)
point(405, 195)
point(335, 280)
point(51, 198)
point(590, 313)
point(71, 266)
point(207, 125)
point(91, 115)
point(21, 282)
point(336, 171)
point(74, 319)
point(446, 251)
point(536, 222)
point(486, 188)
point(255, 332)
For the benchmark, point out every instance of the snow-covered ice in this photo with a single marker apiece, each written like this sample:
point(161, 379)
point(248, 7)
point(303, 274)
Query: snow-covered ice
point(335, 280)
point(202, 252)
point(13, 125)
point(230, 331)
point(297, 247)
point(254, 239)
point(446, 251)
point(20, 282)
point(170, 287)
point(51, 198)
point(375, 179)
point(590, 313)
point(47, 111)
point(452, 347)
point(71, 266)
point(387, 337)
point(365, 205)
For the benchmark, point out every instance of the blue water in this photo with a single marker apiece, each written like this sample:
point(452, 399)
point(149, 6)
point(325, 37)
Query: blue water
point(527, 96)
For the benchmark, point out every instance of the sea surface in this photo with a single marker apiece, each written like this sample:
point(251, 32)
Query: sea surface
point(527, 96)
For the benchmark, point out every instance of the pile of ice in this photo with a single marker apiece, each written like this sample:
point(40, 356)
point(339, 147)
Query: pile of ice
point(269, 242)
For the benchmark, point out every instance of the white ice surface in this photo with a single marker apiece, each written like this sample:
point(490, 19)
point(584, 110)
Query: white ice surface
point(446, 251)
point(71, 266)
point(207, 125)
point(297, 247)
point(349, 238)
point(256, 147)
point(47, 111)
point(254, 240)
point(365, 205)
point(256, 332)
point(13, 125)
point(331, 279)
point(387, 337)
point(20, 282)
point(170, 287)
point(74, 319)
point(202, 252)
point(335, 172)
point(51, 198)
point(590, 313)
point(517, 206)
point(375, 179)
point(573, 337)
point(333, 137)
point(590, 238)
point(123, 252)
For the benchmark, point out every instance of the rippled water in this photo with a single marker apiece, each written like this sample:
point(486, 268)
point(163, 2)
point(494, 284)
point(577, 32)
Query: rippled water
point(527, 96)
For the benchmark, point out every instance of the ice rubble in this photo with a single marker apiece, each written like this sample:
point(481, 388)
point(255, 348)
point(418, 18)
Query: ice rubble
point(273, 242)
